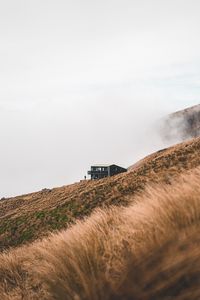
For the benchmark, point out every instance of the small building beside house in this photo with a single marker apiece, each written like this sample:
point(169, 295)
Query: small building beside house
point(102, 171)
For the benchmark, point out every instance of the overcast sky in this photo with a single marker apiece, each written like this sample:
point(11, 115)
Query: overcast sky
point(85, 82)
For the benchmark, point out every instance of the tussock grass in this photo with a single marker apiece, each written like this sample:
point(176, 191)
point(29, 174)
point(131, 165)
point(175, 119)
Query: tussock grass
point(149, 250)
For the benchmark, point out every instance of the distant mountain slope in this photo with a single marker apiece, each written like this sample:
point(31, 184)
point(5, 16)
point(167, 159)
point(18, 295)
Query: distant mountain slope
point(28, 217)
point(183, 124)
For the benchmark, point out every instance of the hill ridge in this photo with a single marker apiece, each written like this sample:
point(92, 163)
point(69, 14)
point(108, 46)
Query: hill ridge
point(29, 217)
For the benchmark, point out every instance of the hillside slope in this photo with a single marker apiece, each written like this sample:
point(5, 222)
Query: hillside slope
point(182, 124)
point(146, 251)
point(28, 217)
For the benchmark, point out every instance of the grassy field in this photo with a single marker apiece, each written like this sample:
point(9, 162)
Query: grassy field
point(26, 218)
point(149, 250)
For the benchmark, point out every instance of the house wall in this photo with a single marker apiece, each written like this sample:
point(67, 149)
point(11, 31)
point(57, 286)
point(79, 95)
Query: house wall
point(98, 172)
point(116, 170)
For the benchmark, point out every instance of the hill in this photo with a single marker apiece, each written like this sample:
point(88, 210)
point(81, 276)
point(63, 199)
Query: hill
point(29, 217)
point(182, 124)
point(147, 250)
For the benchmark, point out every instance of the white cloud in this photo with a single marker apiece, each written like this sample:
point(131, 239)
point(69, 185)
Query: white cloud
point(84, 81)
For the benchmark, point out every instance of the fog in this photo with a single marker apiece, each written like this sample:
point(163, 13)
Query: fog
point(86, 82)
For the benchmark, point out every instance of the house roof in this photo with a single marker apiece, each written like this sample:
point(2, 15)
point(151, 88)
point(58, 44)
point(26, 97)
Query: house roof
point(106, 165)
point(102, 165)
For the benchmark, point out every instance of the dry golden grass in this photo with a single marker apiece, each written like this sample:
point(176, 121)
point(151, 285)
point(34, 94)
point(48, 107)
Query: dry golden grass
point(29, 217)
point(149, 250)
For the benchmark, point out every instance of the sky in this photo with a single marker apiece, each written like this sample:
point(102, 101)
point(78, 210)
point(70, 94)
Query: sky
point(84, 82)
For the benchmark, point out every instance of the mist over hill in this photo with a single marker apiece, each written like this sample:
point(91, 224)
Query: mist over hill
point(182, 125)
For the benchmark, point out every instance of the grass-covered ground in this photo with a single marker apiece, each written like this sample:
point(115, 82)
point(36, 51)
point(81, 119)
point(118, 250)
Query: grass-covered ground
point(149, 250)
point(29, 217)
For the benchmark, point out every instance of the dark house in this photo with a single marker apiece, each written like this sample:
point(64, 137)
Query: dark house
point(102, 171)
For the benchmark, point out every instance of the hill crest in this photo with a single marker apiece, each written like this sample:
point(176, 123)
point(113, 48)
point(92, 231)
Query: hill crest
point(29, 217)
